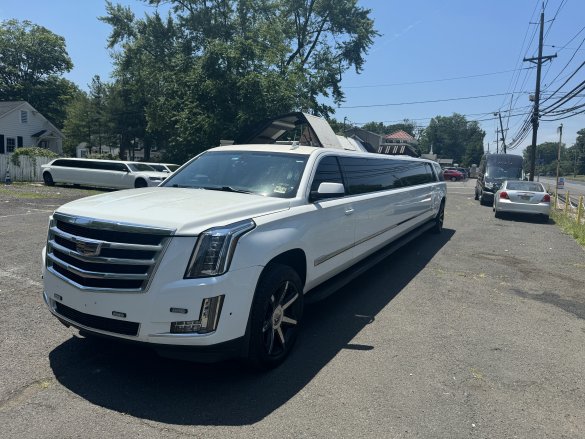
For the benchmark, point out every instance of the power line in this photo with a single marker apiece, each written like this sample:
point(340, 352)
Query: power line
point(425, 102)
point(437, 80)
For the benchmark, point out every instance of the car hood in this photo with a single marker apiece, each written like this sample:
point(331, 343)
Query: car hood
point(187, 211)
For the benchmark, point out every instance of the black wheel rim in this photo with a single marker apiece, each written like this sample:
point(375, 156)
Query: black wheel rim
point(441, 218)
point(281, 319)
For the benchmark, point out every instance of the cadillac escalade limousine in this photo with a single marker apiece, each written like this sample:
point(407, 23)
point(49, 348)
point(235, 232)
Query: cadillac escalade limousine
point(218, 260)
point(114, 174)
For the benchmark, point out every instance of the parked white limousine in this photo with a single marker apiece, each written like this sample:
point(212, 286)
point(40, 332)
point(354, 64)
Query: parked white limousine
point(217, 261)
point(114, 174)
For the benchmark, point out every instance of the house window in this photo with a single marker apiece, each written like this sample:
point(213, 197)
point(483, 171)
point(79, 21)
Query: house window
point(10, 144)
point(44, 144)
point(23, 116)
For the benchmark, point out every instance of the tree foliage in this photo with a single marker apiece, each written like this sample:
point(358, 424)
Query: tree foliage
point(454, 137)
point(211, 67)
point(572, 160)
point(32, 60)
point(380, 128)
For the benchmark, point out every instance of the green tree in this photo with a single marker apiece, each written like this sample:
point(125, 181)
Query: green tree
point(454, 137)
point(212, 67)
point(382, 129)
point(576, 155)
point(32, 60)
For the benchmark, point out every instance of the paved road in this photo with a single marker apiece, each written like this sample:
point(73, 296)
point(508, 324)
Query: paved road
point(476, 333)
point(574, 187)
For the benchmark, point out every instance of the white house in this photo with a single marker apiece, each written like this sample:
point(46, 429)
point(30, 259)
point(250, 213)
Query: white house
point(22, 125)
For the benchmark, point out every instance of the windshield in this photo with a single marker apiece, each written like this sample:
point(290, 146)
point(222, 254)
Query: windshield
point(261, 173)
point(136, 167)
point(173, 168)
point(159, 168)
point(524, 186)
point(504, 166)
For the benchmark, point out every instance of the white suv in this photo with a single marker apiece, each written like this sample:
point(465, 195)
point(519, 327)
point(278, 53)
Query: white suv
point(216, 262)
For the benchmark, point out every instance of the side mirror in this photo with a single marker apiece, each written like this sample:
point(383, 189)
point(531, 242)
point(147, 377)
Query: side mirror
point(327, 190)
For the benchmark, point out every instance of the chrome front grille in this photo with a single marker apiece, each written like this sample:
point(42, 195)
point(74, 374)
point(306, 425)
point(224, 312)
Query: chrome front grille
point(104, 256)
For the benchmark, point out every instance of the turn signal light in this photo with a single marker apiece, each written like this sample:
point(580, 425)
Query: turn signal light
point(504, 194)
point(546, 198)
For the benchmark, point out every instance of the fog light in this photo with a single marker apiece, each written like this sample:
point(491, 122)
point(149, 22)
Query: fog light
point(208, 318)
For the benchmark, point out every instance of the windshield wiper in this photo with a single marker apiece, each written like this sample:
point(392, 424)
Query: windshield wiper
point(226, 189)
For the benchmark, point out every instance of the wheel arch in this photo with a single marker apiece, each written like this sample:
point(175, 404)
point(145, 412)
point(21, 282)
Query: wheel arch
point(294, 258)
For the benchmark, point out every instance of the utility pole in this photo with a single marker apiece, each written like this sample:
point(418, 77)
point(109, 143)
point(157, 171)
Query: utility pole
point(502, 128)
point(497, 140)
point(558, 160)
point(535, 114)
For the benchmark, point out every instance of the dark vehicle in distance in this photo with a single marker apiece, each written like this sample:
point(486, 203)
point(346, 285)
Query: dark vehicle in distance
point(493, 170)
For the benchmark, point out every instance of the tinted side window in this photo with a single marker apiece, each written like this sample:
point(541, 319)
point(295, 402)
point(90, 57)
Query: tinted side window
point(64, 163)
point(327, 170)
point(370, 175)
point(414, 173)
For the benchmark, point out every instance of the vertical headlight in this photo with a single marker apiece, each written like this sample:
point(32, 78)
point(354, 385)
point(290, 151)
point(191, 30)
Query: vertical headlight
point(214, 249)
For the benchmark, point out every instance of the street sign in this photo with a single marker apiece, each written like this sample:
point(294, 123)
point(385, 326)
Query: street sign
point(561, 182)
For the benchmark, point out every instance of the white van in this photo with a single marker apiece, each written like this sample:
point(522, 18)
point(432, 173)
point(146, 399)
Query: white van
point(101, 173)
point(216, 262)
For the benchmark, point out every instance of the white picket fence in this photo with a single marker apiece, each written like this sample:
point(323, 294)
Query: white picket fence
point(29, 169)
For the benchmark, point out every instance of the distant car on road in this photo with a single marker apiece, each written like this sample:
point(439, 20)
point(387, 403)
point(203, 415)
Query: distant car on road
point(527, 197)
point(453, 174)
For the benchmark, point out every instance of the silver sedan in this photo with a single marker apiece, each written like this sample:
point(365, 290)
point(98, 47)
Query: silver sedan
point(527, 197)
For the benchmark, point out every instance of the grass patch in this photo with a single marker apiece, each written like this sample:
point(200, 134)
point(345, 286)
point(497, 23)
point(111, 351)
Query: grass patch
point(569, 225)
point(24, 194)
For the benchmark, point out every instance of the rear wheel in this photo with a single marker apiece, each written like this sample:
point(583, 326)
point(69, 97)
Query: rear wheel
point(476, 196)
point(482, 200)
point(48, 179)
point(545, 218)
point(140, 182)
point(498, 214)
point(453, 178)
point(276, 314)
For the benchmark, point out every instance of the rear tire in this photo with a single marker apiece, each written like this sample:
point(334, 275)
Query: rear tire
point(498, 214)
point(276, 315)
point(545, 219)
point(476, 195)
point(140, 182)
point(482, 200)
point(48, 179)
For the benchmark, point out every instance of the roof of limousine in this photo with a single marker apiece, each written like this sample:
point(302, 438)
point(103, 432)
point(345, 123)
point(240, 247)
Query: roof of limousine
point(304, 150)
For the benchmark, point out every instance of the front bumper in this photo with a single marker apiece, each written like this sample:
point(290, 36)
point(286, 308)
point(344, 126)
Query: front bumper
point(154, 309)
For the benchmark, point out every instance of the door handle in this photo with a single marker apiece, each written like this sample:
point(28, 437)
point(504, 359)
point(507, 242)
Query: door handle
point(349, 211)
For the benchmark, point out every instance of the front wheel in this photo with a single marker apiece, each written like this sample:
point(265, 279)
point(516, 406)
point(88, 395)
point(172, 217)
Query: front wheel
point(48, 179)
point(140, 182)
point(276, 314)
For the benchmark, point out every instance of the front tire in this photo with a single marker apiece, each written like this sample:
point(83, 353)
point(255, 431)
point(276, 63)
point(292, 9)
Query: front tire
point(140, 182)
point(439, 219)
point(276, 314)
point(48, 179)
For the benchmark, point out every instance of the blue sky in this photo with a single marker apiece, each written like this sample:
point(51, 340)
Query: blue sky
point(423, 47)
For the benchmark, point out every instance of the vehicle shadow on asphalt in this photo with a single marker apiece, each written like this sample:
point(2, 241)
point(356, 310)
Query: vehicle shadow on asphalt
point(135, 381)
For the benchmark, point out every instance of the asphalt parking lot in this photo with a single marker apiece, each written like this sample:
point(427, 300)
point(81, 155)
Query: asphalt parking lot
point(478, 332)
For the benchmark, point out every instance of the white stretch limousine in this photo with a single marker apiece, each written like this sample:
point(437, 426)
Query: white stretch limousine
point(216, 262)
point(114, 174)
